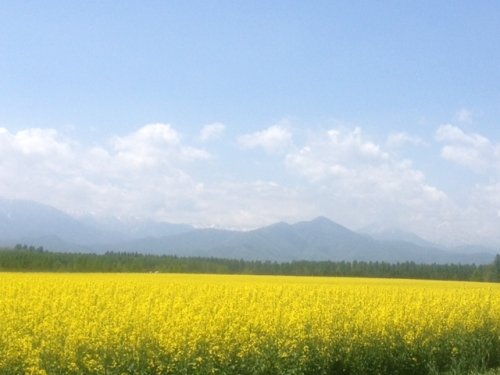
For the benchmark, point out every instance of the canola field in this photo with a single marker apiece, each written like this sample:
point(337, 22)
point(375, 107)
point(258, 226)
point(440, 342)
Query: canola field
point(207, 324)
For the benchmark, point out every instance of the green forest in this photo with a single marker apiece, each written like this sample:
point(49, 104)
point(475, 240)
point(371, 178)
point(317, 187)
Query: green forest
point(24, 258)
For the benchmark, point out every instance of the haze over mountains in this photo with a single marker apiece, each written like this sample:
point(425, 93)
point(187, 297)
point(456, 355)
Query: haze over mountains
point(36, 224)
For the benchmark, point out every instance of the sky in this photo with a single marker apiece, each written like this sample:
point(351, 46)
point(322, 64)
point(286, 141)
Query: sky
point(240, 114)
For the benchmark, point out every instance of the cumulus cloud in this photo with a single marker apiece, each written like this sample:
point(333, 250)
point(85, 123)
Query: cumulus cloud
point(401, 139)
point(470, 150)
point(341, 173)
point(155, 144)
point(149, 173)
point(37, 142)
point(334, 153)
point(251, 204)
point(361, 182)
point(475, 218)
point(274, 139)
point(450, 133)
point(212, 131)
point(134, 174)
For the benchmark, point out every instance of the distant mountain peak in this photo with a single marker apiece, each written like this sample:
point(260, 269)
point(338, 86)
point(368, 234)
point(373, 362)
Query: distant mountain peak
point(322, 220)
point(322, 223)
point(280, 224)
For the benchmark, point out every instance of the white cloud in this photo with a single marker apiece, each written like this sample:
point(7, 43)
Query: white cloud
point(150, 173)
point(340, 173)
point(212, 131)
point(357, 182)
point(141, 174)
point(476, 220)
point(400, 139)
point(450, 133)
point(335, 153)
point(251, 204)
point(350, 143)
point(274, 139)
point(466, 157)
point(155, 144)
point(36, 142)
point(470, 150)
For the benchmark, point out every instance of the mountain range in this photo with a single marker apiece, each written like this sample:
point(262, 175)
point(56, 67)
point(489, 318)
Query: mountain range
point(36, 224)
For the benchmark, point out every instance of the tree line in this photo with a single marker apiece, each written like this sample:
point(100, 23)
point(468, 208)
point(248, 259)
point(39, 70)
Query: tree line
point(24, 258)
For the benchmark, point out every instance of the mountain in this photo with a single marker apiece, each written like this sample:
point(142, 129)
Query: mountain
point(397, 235)
point(319, 239)
point(134, 228)
point(393, 234)
point(26, 221)
point(473, 249)
point(32, 223)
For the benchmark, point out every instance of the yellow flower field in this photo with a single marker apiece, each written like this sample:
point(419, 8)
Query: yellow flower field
point(207, 324)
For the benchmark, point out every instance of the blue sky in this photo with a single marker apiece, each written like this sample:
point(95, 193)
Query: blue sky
point(241, 114)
